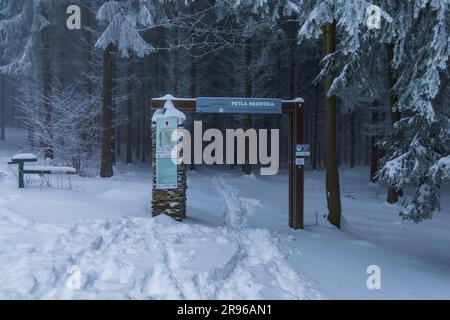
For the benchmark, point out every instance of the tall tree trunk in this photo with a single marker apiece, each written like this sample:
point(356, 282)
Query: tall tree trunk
point(193, 93)
point(232, 119)
point(332, 171)
point(367, 143)
point(373, 143)
point(129, 156)
point(392, 193)
point(88, 66)
point(31, 128)
point(359, 133)
point(160, 68)
point(175, 66)
point(310, 135)
point(191, 116)
point(345, 137)
point(113, 104)
point(247, 167)
point(137, 145)
point(118, 140)
point(3, 109)
point(292, 51)
point(138, 133)
point(339, 133)
point(352, 138)
point(107, 160)
point(316, 138)
point(143, 117)
point(46, 87)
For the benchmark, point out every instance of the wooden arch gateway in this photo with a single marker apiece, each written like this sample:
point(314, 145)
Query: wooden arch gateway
point(294, 109)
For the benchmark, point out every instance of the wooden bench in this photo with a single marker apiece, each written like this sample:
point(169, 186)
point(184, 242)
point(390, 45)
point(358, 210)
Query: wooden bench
point(22, 158)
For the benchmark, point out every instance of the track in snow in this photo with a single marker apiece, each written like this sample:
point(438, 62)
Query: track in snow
point(144, 258)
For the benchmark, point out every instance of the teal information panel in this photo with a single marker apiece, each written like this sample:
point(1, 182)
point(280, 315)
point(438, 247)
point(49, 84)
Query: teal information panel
point(166, 169)
point(166, 174)
point(238, 105)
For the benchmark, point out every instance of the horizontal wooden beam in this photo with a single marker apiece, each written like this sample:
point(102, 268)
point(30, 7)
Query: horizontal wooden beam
point(296, 116)
point(189, 105)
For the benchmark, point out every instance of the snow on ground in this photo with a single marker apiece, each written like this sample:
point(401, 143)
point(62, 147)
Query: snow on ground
point(103, 227)
point(235, 243)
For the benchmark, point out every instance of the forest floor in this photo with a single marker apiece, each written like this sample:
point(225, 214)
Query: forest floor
point(235, 243)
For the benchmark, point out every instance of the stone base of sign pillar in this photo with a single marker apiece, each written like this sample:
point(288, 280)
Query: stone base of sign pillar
point(171, 202)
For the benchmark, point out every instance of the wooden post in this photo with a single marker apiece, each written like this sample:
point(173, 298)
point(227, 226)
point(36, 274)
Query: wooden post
point(296, 172)
point(295, 111)
point(291, 168)
point(21, 179)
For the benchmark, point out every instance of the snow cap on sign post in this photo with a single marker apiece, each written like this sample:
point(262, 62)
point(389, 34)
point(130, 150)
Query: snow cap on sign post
point(169, 110)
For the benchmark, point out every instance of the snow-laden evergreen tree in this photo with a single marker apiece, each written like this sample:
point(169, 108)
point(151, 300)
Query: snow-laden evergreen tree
point(20, 24)
point(351, 18)
point(417, 152)
point(122, 19)
point(419, 33)
point(264, 10)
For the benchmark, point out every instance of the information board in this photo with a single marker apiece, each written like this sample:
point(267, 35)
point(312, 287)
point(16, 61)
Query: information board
point(238, 105)
point(166, 169)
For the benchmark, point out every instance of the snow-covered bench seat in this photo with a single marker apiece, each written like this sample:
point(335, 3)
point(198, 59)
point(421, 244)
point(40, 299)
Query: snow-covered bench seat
point(22, 158)
point(49, 170)
point(26, 157)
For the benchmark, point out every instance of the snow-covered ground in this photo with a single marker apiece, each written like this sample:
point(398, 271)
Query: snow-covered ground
point(235, 243)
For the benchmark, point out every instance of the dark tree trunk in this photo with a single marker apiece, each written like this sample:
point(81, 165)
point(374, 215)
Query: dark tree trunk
point(292, 50)
point(316, 148)
point(339, 133)
point(367, 143)
point(373, 143)
point(175, 67)
point(392, 193)
point(46, 87)
point(352, 139)
point(143, 116)
point(129, 156)
point(315, 137)
point(137, 146)
point(193, 92)
point(332, 171)
point(113, 104)
point(107, 160)
point(360, 150)
point(88, 80)
point(31, 132)
point(118, 140)
point(345, 137)
point(160, 69)
point(310, 136)
point(3, 109)
point(88, 51)
point(247, 167)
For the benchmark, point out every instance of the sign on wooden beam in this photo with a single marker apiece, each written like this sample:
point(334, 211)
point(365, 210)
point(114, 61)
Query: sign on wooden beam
point(238, 105)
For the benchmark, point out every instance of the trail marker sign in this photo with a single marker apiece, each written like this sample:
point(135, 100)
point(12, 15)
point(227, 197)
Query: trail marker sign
point(238, 105)
point(303, 150)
